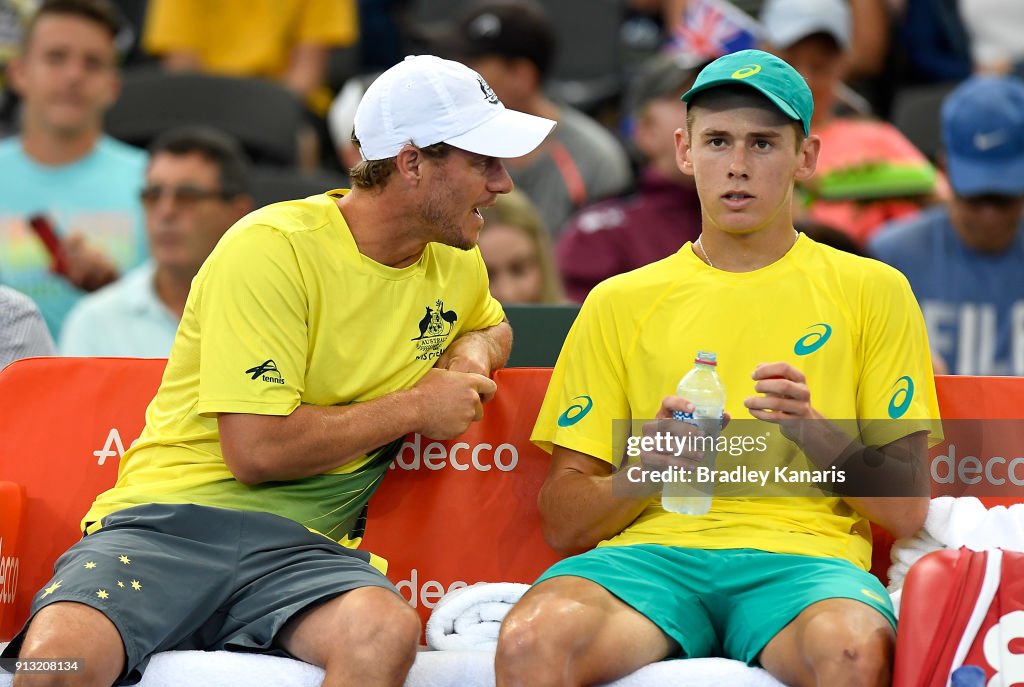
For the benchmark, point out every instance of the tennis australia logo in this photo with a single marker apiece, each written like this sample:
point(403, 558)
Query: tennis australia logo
point(435, 326)
point(487, 91)
point(267, 370)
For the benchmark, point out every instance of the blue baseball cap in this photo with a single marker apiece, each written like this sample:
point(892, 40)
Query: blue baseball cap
point(983, 136)
point(773, 77)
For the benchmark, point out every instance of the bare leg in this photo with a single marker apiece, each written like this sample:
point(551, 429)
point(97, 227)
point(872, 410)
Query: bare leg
point(367, 636)
point(571, 631)
point(69, 630)
point(833, 643)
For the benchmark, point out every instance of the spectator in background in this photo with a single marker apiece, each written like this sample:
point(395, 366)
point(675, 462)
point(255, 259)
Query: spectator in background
point(964, 259)
point(868, 172)
point(14, 17)
point(63, 166)
point(196, 188)
point(517, 252)
point(662, 214)
point(23, 332)
point(948, 40)
point(512, 44)
point(283, 41)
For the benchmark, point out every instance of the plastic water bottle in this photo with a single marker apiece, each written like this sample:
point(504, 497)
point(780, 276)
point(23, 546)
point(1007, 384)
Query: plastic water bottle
point(701, 387)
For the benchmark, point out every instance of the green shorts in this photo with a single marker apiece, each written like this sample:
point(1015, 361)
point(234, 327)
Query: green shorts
point(177, 577)
point(728, 602)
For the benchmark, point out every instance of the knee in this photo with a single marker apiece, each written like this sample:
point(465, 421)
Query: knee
point(544, 626)
point(386, 620)
point(844, 644)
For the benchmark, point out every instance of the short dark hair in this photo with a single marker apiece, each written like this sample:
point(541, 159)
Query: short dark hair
point(214, 146)
point(506, 28)
point(368, 174)
point(100, 12)
point(746, 92)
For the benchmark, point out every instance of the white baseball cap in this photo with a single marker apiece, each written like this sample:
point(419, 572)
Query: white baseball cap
point(787, 21)
point(425, 100)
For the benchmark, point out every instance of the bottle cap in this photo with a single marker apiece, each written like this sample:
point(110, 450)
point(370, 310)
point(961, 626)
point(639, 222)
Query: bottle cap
point(706, 358)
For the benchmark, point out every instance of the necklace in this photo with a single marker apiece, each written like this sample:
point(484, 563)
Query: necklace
point(707, 258)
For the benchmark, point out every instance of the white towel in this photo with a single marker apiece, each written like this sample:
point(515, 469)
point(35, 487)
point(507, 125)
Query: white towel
point(469, 618)
point(476, 669)
point(953, 522)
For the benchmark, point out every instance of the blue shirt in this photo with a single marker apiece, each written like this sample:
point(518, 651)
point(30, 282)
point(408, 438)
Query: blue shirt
point(125, 318)
point(973, 302)
point(97, 195)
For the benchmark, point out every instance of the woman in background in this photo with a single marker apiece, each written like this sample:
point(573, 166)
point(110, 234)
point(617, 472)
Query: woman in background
point(515, 247)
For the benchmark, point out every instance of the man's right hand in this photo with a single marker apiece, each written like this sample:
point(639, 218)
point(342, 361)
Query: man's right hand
point(677, 446)
point(449, 401)
point(87, 267)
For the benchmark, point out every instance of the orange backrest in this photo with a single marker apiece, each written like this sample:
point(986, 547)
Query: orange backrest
point(450, 513)
point(64, 423)
point(12, 503)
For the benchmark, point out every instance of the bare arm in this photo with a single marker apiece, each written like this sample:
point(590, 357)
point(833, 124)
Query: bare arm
point(870, 38)
point(181, 61)
point(577, 505)
point(584, 500)
point(482, 351)
point(315, 439)
point(307, 69)
point(902, 463)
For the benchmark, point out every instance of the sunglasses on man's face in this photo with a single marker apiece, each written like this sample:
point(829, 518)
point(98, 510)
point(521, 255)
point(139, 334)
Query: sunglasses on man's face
point(182, 195)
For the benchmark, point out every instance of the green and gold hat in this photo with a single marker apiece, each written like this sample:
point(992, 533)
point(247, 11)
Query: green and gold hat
point(766, 73)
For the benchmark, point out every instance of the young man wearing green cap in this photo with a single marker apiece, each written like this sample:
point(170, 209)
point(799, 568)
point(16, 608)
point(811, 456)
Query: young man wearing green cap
point(776, 581)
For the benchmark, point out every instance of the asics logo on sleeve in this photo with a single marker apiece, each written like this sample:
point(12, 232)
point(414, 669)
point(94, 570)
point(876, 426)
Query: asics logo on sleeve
point(901, 398)
point(575, 412)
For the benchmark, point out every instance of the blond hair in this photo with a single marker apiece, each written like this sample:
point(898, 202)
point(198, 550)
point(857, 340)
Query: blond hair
point(516, 210)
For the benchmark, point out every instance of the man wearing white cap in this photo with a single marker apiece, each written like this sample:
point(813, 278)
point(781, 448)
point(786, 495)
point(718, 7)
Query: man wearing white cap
point(315, 337)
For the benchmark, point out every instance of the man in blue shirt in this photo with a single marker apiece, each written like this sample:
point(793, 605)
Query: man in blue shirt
point(965, 260)
point(63, 167)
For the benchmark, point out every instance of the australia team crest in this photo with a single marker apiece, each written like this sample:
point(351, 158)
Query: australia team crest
point(435, 326)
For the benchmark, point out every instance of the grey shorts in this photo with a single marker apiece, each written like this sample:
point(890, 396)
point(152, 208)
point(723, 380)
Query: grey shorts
point(176, 577)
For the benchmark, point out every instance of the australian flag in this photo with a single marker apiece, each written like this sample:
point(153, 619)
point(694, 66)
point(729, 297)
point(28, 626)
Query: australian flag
point(712, 28)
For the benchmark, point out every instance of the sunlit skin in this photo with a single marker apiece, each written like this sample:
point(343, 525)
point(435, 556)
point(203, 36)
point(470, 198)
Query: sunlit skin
point(987, 224)
point(740, 150)
point(513, 266)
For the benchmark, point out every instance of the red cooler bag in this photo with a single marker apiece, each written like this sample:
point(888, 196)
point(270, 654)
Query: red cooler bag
point(962, 607)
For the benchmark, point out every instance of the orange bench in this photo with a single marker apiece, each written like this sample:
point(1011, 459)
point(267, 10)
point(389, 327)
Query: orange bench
point(451, 513)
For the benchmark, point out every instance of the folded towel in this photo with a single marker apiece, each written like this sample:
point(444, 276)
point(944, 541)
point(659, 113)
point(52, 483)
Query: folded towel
point(954, 522)
point(469, 618)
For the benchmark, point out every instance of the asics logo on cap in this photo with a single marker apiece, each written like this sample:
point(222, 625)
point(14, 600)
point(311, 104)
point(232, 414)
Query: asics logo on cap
point(990, 140)
point(747, 70)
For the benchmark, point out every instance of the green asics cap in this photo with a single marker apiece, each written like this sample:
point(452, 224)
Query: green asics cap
point(771, 76)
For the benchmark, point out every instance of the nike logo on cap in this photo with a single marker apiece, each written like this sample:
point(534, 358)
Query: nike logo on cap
point(990, 140)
